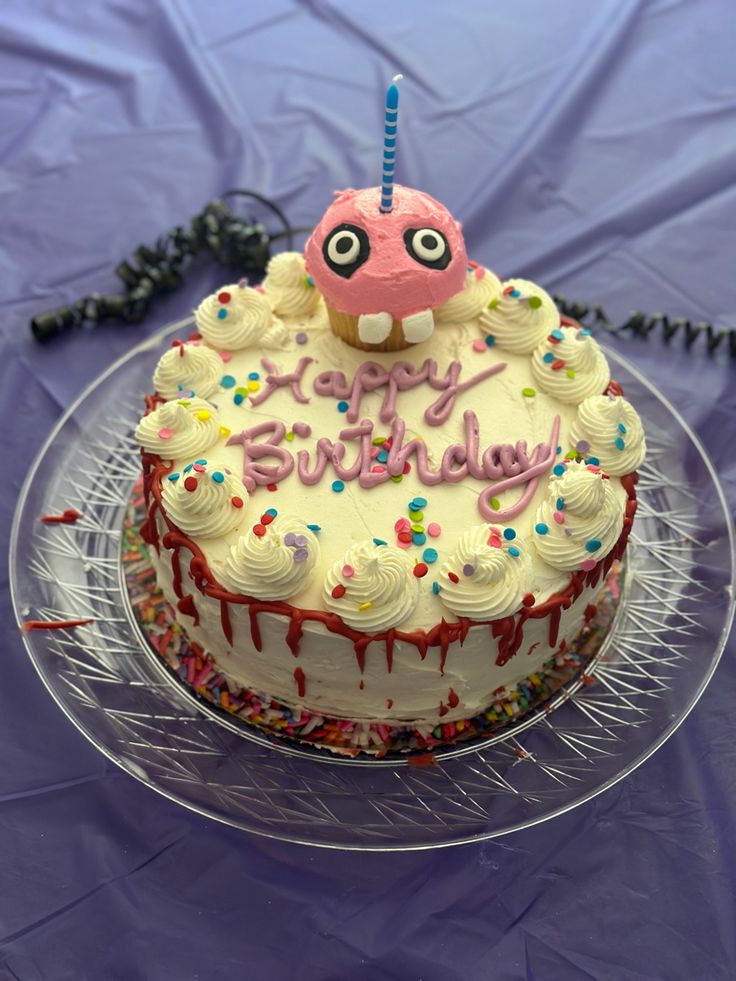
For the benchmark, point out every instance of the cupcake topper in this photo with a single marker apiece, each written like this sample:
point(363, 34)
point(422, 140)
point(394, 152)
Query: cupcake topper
point(389, 144)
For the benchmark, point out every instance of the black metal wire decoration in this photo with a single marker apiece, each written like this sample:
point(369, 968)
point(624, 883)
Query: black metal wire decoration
point(243, 244)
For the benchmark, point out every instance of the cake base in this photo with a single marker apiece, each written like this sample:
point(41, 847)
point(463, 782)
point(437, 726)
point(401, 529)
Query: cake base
point(198, 671)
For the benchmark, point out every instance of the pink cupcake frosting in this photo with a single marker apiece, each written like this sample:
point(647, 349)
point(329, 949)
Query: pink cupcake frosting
point(403, 262)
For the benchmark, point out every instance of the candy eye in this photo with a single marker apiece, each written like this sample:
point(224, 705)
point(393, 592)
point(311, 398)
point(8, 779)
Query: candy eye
point(345, 249)
point(428, 246)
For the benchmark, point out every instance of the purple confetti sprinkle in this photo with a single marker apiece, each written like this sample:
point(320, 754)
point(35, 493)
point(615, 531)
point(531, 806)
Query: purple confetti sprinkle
point(300, 541)
point(301, 337)
point(242, 283)
point(468, 570)
point(582, 446)
point(300, 555)
point(290, 539)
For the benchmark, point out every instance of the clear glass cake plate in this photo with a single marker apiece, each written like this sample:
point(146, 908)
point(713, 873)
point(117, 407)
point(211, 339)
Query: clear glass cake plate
point(673, 619)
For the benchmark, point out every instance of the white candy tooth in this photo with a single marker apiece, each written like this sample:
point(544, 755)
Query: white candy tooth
point(374, 327)
point(419, 326)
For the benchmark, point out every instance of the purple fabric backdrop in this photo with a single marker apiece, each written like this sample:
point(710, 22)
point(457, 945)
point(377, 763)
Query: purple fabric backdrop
point(590, 147)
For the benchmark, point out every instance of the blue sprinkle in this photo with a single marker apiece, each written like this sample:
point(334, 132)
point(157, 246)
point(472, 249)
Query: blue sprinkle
point(514, 551)
point(558, 335)
point(418, 503)
point(585, 332)
point(342, 406)
point(559, 450)
point(254, 376)
point(515, 293)
point(619, 443)
point(221, 314)
point(435, 588)
point(187, 469)
point(202, 463)
point(272, 511)
point(227, 381)
point(238, 399)
point(594, 461)
point(429, 555)
point(621, 428)
point(218, 477)
point(378, 541)
point(560, 505)
point(490, 340)
point(541, 528)
point(419, 538)
point(509, 534)
point(593, 545)
point(382, 456)
point(314, 528)
point(558, 470)
point(548, 357)
point(338, 486)
point(174, 476)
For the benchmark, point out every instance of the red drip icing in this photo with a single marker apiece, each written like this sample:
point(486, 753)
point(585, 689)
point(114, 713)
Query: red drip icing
point(360, 646)
point(361, 685)
point(294, 635)
point(443, 709)
point(227, 627)
point(532, 648)
point(453, 699)
point(444, 637)
point(187, 607)
point(301, 682)
point(390, 651)
point(554, 625)
point(67, 518)
point(255, 630)
point(389, 703)
point(590, 611)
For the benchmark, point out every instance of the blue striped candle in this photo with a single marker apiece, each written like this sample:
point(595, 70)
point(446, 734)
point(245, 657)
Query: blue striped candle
point(389, 144)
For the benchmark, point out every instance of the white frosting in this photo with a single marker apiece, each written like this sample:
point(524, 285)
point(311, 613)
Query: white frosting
point(515, 323)
point(276, 336)
point(584, 370)
point(185, 427)
point(382, 577)
point(287, 287)
point(492, 581)
point(591, 512)
point(473, 299)
point(208, 510)
point(274, 565)
point(197, 370)
point(239, 320)
point(613, 431)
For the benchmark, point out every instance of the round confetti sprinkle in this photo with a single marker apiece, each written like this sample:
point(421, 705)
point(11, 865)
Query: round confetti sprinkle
point(570, 373)
point(587, 565)
point(289, 437)
point(272, 487)
point(267, 518)
point(420, 570)
point(218, 477)
point(202, 463)
point(418, 503)
point(378, 441)
point(314, 528)
point(348, 571)
point(556, 365)
point(254, 386)
point(619, 443)
point(289, 539)
point(434, 530)
point(514, 551)
point(528, 393)
point(238, 398)
point(436, 588)
point(190, 483)
point(404, 544)
point(593, 545)
point(468, 570)
point(300, 541)
point(560, 504)
point(402, 524)
point(405, 536)
point(237, 502)
point(225, 356)
point(188, 468)
point(452, 577)
point(224, 297)
point(174, 476)
point(397, 479)
point(338, 486)
point(199, 468)
point(509, 534)
point(221, 314)
point(382, 456)
point(535, 302)
point(342, 406)
point(165, 433)
point(301, 554)
point(365, 606)
point(416, 515)
point(541, 528)
point(253, 376)
point(479, 346)
point(490, 340)
point(203, 415)
point(558, 335)
point(419, 538)
point(529, 599)
point(301, 337)
point(548, 358)
point(272, 512)
point(338, 592)
point(495, 504)
point(582, 446)
point(558, 470)
point(379, 541)
point(417, 528)
point(559, 517)
point(429, 555)
point(593, 461)
point(621, 428)
point(259, 530)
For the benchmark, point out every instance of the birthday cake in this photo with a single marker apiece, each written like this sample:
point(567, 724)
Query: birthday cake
point(385, 489)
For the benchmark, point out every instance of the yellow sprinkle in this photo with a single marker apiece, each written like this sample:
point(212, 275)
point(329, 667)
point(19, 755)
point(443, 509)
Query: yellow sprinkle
point(253, 386)
point(535, 679)
point(460, 725)
point(416, 515)
point(378, 441)
point(417, 528)
point(289, 436)
point(224, 431)
point(507, 709)
point(203, 415)
point(570, 373)
point(183, 402)
point(365, 606)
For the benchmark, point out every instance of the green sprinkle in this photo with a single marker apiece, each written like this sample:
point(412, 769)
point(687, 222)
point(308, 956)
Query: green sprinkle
point(535, 302)
point(495, 504)
point(528, 393)
point(289, 436)
point(493, 304)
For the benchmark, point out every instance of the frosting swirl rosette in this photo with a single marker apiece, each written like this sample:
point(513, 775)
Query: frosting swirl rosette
point(372, 587)
point(288, 287)
point(609, 428)
point(273, 560)
point(182, 428)
point(570, 365)
point(205, 499)
point(188, 368)
point(488, 575)
point(581, 519)
point(520, 316)
point(481, 287)
point(276, 336)
point(233, 318)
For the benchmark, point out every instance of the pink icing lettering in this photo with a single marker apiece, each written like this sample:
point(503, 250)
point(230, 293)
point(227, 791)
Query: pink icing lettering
point(274, 380)
point(542, 458)
point(439, 411)
point(255, 474)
